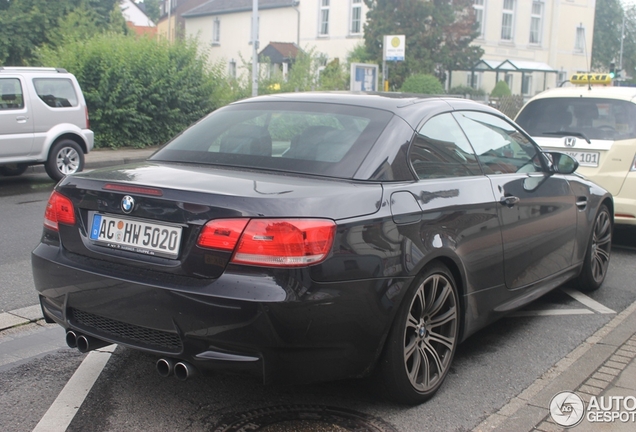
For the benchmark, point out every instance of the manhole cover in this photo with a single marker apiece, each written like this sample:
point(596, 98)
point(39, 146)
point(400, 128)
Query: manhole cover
point(303, 418)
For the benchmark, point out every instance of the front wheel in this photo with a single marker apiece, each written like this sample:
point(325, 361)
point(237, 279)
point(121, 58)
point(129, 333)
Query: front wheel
point(423, 339)
point(597, 256)
point(66, 157)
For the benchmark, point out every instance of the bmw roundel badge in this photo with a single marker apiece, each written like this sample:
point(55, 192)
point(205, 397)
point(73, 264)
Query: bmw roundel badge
point(127, 204)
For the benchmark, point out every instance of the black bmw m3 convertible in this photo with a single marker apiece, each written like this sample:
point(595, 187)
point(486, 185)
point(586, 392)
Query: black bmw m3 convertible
point(318, 236)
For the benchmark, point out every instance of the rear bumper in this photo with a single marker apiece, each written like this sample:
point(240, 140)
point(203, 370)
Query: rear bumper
point(305, 332)
point(89, 138)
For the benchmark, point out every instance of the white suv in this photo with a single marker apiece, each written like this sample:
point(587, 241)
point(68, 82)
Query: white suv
point(43, 120)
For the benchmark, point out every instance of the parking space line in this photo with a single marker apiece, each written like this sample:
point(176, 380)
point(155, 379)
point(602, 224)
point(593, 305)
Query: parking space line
point(592, 304)
point(61, 412)
point(549, 312)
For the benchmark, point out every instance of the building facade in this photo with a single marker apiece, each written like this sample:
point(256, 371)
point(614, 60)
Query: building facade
point(136, 18)
point(171, 25)
point(223, 27)
point(531, 44)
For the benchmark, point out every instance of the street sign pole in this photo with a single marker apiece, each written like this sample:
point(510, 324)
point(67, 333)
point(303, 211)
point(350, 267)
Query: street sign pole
point(393, 50)
point(385, 73)
point(254, 47)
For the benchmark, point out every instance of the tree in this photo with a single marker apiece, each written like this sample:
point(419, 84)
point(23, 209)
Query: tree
point(438, 35)
point(152, 9)
point(608, 22)
point(501, 89)
point(26, 25)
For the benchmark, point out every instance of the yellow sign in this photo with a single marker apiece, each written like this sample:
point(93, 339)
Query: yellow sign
point(591, 79)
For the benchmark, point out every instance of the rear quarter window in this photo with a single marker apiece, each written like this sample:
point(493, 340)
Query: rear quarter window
point(56, 92)
point(596, 118)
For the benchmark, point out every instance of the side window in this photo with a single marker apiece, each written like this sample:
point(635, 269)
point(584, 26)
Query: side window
point(440, 150)
point(56, 92)
point(10, 94)
point(500, 147)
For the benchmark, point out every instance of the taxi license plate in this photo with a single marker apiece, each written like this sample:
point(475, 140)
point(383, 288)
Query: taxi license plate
point(590, 159)
point(136, 236)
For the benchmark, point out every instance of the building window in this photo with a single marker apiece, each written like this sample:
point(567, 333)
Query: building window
point(324, 18)
point(507, 20)
point(479, 6)
point(356, 16)
point(231, 69)
point(216, 32)
point(473, 81)
point(526, 85)
point(579, 43)
point(536, 22)
point(563, 77)
point(508, 80)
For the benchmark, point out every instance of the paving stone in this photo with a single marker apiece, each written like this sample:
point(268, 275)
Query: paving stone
point(609, 370)
point(603, 376)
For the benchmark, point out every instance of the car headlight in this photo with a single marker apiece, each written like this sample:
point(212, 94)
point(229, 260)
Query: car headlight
point(633, 167)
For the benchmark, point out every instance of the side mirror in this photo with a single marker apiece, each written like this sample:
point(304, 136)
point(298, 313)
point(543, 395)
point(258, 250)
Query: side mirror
point(562, 163)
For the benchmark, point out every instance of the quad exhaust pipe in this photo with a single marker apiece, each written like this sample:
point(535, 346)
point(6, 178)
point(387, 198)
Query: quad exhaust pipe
point(181, 369)
point(84, 343)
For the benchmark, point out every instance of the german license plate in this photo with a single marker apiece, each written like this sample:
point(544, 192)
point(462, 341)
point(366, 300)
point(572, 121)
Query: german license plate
point(586, 158)
point(136, 236)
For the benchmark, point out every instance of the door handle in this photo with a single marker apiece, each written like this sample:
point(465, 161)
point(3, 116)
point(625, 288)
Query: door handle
point(509, 201)
point(21, 119)
point(581, 203)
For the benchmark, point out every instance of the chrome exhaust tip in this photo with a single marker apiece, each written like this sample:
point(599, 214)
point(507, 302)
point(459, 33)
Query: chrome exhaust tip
point(165, 367)
point(88, 343)
point(184, 370)
point(71, 339)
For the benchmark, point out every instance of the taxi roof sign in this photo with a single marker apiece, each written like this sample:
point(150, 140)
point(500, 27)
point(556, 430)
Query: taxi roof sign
point(591, 79)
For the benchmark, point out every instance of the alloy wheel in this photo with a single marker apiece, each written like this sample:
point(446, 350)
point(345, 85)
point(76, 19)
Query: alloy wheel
point(601, 245)
point(431, 332)
point(68, 160)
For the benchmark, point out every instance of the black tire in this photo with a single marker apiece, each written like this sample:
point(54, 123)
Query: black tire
point(66, 157)
point(13, 170)
point(423, 339)
point(597, 256)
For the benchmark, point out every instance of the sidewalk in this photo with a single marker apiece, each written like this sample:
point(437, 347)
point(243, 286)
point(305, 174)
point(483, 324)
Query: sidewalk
point(603, 365)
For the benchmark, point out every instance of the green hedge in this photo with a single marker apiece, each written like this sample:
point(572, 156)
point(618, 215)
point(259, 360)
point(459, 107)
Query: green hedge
point(422, 83)
point(139, 91)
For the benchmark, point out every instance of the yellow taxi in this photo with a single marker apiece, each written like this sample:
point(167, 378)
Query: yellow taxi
point(595, 123)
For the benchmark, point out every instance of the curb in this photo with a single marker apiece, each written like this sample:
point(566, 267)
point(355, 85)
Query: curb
point(20, 317)
point(103, 158)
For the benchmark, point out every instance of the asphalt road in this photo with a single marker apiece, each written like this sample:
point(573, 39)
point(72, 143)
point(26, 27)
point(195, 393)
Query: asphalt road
point(490, 368)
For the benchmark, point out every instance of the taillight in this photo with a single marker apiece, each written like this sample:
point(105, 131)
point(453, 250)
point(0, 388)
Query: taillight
point(285, 242)
point(633, 167)
point(59, 209)
point(88, 123)
point(271, 242)
point(222, 234)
